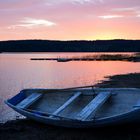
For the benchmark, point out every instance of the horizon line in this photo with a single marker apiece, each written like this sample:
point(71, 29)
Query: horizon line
point(67, 40)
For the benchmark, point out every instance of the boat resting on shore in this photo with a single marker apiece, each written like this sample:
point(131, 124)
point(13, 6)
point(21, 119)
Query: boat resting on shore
point(79, 107)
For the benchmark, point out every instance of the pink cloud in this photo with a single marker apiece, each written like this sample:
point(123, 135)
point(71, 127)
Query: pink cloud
point(75, 19)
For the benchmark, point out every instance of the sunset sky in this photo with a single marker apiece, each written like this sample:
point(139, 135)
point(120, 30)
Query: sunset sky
point(69, 19)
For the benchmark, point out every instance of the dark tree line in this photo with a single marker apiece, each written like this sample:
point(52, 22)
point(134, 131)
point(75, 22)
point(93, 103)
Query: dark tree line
point(70, 46)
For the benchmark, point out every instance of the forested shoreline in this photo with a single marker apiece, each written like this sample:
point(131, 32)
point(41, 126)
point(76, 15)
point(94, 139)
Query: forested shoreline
point(70, 46)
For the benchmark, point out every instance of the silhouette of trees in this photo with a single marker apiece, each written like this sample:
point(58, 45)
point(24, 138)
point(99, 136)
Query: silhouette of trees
point(70, 46)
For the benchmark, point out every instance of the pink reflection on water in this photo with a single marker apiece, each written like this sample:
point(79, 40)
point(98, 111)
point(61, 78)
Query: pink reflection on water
point(18, 71)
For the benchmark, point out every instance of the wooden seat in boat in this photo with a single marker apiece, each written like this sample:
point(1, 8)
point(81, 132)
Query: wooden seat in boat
point(29, 100)
point(93, 106)
point(68, 102)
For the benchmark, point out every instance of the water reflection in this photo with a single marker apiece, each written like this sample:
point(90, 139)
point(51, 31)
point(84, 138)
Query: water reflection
point(18, 71)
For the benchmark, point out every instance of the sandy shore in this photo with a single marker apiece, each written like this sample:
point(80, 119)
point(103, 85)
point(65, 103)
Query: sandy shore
point(30, 130)
point(27, 129)
point(131, 80)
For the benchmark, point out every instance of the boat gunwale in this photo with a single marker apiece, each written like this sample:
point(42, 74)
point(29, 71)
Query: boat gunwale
point(83, 88)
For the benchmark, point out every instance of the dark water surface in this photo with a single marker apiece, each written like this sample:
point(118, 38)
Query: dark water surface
point(17, 72)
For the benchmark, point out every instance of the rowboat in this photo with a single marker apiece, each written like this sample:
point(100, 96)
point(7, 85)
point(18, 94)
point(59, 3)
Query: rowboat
point(79, 107)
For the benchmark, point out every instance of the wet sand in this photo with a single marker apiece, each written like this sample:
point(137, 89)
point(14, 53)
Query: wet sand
point(27, 129)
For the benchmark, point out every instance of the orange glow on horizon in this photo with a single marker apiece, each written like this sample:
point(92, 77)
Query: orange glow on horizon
point(70, 20)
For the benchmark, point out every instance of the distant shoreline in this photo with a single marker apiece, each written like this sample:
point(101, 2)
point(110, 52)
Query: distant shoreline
point(98, 57)
point(118, 45)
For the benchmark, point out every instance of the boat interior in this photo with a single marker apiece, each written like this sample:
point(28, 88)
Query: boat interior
point(78, 104)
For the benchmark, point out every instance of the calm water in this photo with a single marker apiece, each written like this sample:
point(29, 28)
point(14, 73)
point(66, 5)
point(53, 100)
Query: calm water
point(17, 71)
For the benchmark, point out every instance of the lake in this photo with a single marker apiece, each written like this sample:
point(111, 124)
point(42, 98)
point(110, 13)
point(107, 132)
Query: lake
point(17, 72)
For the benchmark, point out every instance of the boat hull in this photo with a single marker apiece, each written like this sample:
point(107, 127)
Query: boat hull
point(131, 116)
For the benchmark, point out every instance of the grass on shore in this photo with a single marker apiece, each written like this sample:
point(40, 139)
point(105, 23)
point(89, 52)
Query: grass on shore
point(113, 57)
